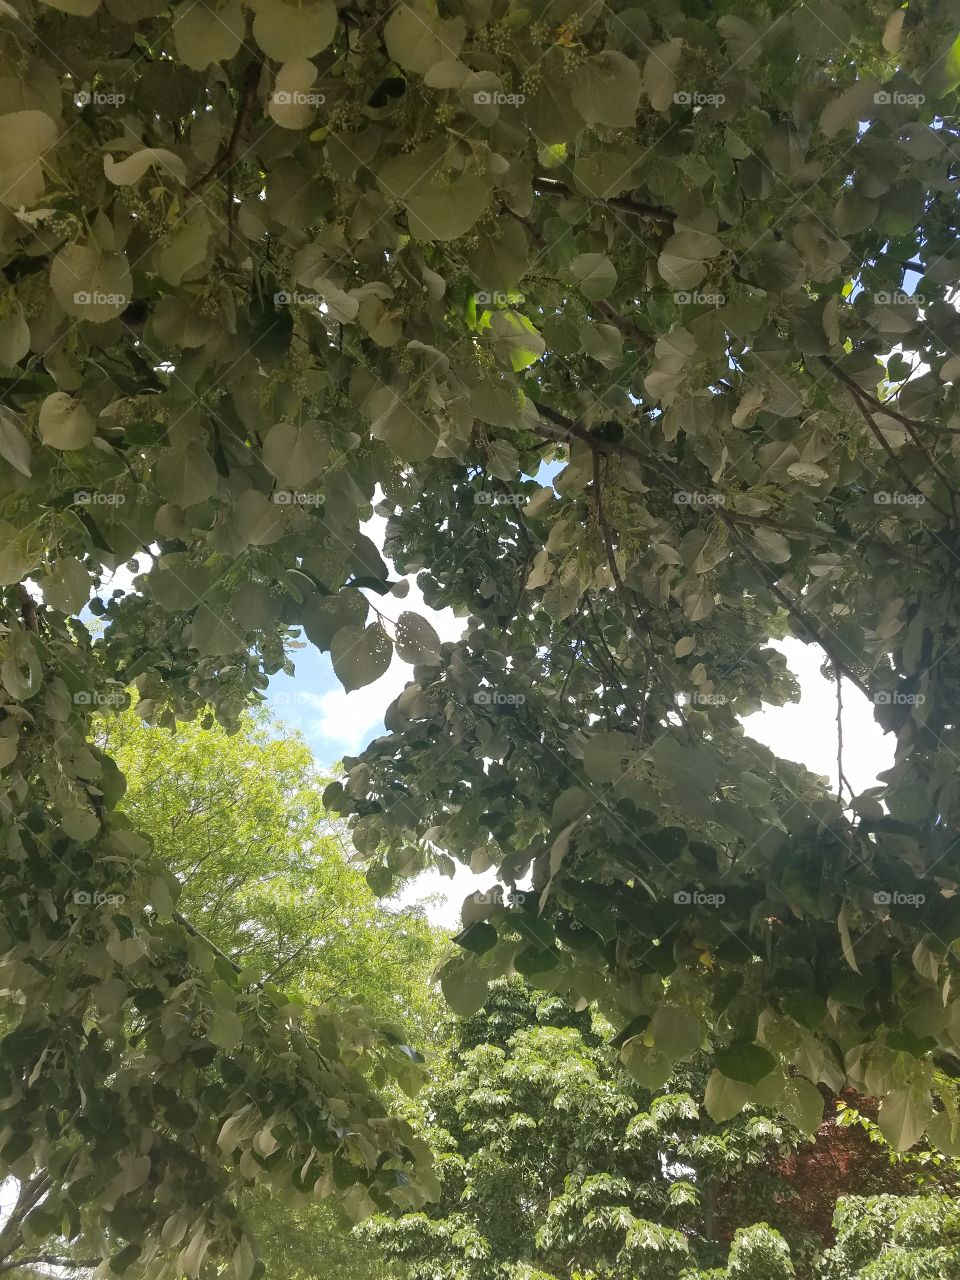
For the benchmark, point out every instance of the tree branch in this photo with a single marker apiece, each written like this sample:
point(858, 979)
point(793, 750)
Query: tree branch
point(544, 185)
point(248, 90)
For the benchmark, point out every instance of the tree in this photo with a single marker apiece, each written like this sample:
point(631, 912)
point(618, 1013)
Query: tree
point(260, 263)
point(555, 1163)
point(266, 882)
point(265, 874)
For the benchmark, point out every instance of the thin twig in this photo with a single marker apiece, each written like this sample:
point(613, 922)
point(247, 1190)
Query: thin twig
point(248, 90)
point(842, 779)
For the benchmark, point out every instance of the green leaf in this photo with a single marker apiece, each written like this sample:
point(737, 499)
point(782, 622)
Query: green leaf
point(296, 454)
point(447, 211)
point(360, 655)
point(682, 261)
point(676, 1034)
point(659, 74)
point(416, 38)
point(65, 423)
point(802, 1102)
point(91, 283)
point(186, 475)
point(13, 444)
point(204, 32)
point(606, 89)
point(226, 1030)
point(416, 639)
point(291, 31)
point(595, 275)
point(724, 1098)
point(745, 1062)
point(904, 1116)
point(25, 137)
point(465, 991)
point(478, 938)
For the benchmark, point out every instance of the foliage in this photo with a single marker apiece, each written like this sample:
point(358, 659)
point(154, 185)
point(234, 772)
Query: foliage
point(554, 1162)
point(260, 262)
point(264, 873)
point(266, 889)
point(895, 1238)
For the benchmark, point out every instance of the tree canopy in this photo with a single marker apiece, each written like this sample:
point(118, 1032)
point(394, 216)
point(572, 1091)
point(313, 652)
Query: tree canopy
point(269, 267)
point(555, 1164)
point(266, 884)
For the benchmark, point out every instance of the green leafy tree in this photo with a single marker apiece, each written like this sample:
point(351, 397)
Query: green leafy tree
point(266, 886)
point(265, 874)
point(265, 264)
point(556, 1163)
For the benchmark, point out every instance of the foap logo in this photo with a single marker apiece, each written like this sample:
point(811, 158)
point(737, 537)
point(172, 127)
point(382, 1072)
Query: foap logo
point(707, 699)
point(296, 498)
point(894, 898)
point(486, 298)
point(297, 98)
point(96, 298)
point(98, 98)
point(494, 98)
point(894, 498)
point(483, 499)
point(86, 498)
point(96, 698)
point(494, 698)
point(694, 98)
point(293, 298)
point(684, 498)
point(98, 899)
point(513, 900)
point(696, 898)
point(894, 698)
point(897, 297)
point(683, 298)
point(895, 98)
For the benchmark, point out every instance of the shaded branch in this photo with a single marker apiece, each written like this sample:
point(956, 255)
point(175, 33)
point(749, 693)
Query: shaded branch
point(544, 185)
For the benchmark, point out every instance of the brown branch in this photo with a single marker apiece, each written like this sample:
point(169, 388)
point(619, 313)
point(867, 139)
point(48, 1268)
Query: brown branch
point(227, 155)
point(195, 933)
point(885, 445)
point(884, 406)
point(656, 212)
point(50, 1260)
point(574, 431)
point(28, 608)
point(626, 328)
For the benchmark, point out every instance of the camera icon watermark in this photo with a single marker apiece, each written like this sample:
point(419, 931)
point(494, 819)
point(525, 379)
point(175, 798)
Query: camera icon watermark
point(895, 498)
point(887, 898)
point(694, 98)
point(894, 698)
point(96, 698)
point(99, 899)
point(484, 499)
point(684, 498)
point(696, 898)
point(683, 298)
point(293, 298)
point(897, 297)
point(485, 298)
point(96, 298)
point(494, 98)
point(98, 98)
point(494, 698)
point(88, 498)
point(886, 98)
point(297, 98)
point(296, 498)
